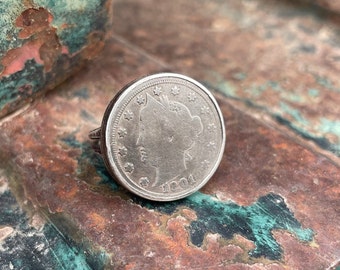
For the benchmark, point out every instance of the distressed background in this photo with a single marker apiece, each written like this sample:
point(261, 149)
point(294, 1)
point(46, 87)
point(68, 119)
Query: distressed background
point(273, 203)
point(43, 42)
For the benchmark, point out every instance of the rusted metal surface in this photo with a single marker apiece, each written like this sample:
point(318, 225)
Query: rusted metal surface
point(42, 43)
point(280, 56)
point(274, 201)
point(52, 163)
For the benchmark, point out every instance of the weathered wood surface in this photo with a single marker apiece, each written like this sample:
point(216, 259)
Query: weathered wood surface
point(272, 204)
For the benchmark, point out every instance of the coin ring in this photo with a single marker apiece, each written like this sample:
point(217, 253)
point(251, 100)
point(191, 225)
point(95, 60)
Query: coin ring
point(162, 137)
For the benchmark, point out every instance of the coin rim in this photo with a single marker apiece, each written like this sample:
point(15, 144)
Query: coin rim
point(105, 142)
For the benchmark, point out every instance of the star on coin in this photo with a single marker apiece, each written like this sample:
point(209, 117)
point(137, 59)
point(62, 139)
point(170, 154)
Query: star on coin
point(205, 110)
point(122, 151)
point(122, 132)
point(175, 90)
point(140, 99)
point(157, 90)
point(205, 164)
point(211, 145)
point(129, 167)
point(212, 127)
point(173, 107)
point(144, 181)
point(128, 115)
point(192, 96)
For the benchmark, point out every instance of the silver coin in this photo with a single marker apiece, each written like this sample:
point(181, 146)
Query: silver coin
point(163, 136)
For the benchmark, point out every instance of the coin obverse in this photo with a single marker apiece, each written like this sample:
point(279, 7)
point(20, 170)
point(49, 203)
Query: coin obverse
point(163, 136)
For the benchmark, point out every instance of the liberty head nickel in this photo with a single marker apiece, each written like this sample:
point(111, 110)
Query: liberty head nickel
point(162, 137)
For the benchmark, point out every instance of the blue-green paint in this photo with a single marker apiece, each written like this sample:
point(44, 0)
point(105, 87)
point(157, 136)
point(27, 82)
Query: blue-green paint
point(82, 93)
point(65, 255)
point(329, 126)
point(295, 114)
point(227, 88)
point(307, 48)
point(288, 115)
point(319, 140)
point(275, 86)
point(10, 213)
point(302, 126)
point(255, 222)
point(285, 114)
point(80, 17)
point(9, 11)
point(293, 97)
point(74, 22)
point(325, 82)
point(89, 157)
point(258, 90)
point(69, 256)
point(21, 84)
point(240, 76)
point(87, 116)
point(255, 90)
point(312, 92)
point(46, 248)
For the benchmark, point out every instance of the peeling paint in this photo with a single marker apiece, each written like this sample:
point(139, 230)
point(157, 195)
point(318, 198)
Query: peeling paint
point(329, 126)
point(24, 246)
point(296, 115)
point(67, 22)
point(286, 111)
point(313, 92)
point(255, 222)
point(57, 36)
point(40, 42)
point(88, 158)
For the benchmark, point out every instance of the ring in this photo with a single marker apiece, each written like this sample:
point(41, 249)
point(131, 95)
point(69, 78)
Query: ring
point(162, 137)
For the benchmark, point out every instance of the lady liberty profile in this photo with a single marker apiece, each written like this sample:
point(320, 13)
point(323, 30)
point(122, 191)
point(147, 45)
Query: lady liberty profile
point(167, 131)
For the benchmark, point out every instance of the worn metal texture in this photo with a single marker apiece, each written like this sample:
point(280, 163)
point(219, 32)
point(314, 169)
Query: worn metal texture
point(44, 42)
point(271, 205)
point(282, 57)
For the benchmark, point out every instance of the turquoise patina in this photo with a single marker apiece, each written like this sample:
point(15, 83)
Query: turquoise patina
point(255, 222)
point(40, 248)
point(43, 42)
point(290, 108)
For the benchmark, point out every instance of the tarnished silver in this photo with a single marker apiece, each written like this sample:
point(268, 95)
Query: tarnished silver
point(162, 137)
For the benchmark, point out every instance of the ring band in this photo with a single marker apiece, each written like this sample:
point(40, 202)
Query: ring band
point(95, 136)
